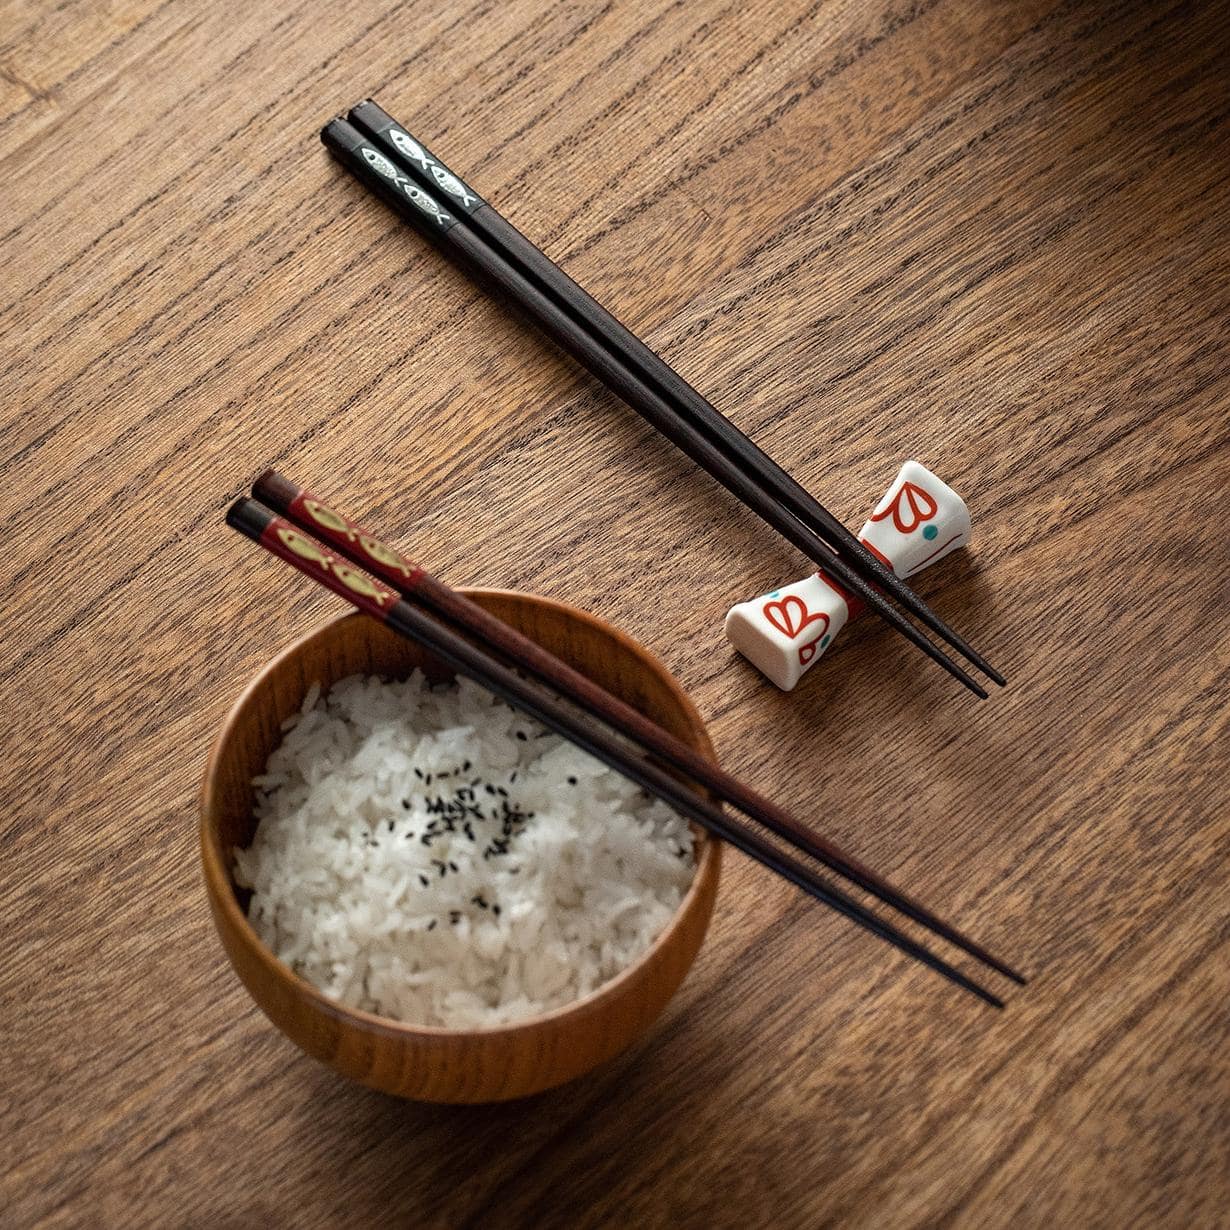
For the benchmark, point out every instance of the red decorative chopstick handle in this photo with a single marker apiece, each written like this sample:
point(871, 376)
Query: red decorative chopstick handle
point(332, 526)
point(279, 537)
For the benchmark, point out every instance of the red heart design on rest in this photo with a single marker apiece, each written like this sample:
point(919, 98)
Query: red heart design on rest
point(779, 615)
point(809, 651)
point(921, 507)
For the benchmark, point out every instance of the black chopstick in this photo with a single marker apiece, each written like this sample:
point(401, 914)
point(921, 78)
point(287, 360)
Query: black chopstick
point(291, 544)
point(481, 216)
point(354, 541)
point(433, 220)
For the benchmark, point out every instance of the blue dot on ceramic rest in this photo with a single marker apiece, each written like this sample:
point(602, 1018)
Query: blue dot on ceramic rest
point(930, 532)
point(825, 641)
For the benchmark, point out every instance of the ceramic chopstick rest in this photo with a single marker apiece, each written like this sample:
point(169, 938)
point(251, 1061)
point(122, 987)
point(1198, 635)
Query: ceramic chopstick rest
point(784, 633)
point(919, 521)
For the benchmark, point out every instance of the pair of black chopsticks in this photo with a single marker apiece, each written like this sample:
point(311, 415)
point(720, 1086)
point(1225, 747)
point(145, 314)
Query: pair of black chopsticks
point(422, 189)
point(295, 526)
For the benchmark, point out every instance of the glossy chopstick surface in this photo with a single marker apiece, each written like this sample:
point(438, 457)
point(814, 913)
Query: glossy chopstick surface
point(428, 171)
point(413, 582)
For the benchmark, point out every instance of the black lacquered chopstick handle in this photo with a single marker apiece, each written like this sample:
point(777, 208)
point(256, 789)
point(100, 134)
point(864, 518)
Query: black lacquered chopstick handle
point(373, 121)
point(386, 177)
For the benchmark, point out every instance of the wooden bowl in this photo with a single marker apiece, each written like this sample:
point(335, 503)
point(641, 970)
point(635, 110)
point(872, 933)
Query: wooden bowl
point(434, 1064)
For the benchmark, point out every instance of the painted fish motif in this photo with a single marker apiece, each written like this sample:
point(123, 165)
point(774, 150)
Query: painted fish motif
point(361, 584)
point(410, 147)
point(304, 547)
point(380, 163)
point(385, 555)
point(452, 185)
point(425, 203)
point(322, 514)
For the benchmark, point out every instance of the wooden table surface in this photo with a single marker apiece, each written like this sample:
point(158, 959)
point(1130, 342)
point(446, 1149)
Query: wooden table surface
point(991, 236)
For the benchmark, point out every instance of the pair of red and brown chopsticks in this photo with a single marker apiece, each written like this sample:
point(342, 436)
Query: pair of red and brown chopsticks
point(409, 177)
point(300, 529)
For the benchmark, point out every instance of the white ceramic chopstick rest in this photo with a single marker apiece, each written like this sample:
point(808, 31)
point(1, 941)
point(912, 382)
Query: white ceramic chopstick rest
point(919, 521)
point(784, 633)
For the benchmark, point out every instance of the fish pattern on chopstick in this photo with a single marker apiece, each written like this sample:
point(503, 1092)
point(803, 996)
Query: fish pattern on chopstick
point(409, 189)
point(437, 170)
point(330, 522)
point(288, 543)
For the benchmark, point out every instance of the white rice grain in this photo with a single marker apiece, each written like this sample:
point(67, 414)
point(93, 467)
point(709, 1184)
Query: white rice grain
point(430, 854)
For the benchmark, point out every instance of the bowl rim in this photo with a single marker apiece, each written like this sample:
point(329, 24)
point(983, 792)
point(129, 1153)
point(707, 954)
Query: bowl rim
point(221, 887)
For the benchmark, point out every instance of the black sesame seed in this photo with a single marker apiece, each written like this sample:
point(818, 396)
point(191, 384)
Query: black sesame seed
point(419, 774)
point(431, 926)
point(406, 804)
point(424, 881)
point(390, 826)
point(522, 735)
point(572, 781)
point(495, 909)
point(465, 768)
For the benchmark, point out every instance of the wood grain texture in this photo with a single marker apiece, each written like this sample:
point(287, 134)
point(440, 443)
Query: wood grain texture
point(993, 236)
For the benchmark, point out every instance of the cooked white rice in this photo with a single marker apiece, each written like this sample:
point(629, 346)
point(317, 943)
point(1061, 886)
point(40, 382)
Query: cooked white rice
point(432, 855)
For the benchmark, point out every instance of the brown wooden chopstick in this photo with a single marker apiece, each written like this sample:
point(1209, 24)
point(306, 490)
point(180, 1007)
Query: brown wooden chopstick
point(415, 584)
point(293, 545)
